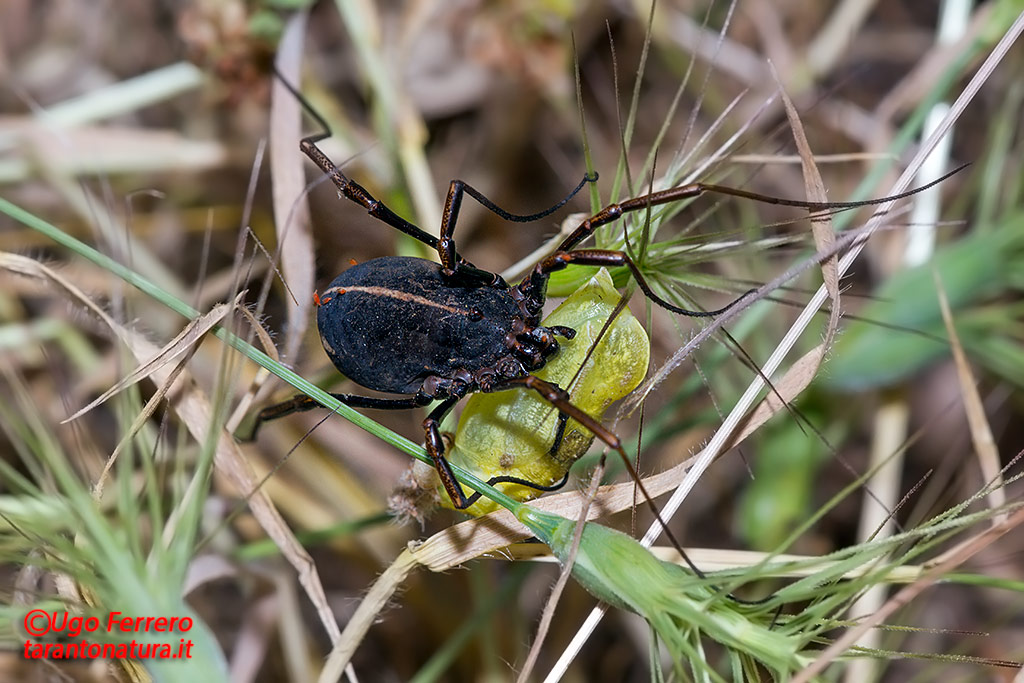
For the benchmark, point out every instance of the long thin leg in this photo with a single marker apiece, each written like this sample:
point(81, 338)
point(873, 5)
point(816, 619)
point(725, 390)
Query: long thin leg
point(603, 257)
point(516, 480)
point(558, 397)
point(613, 212)
point(435, 449)
point(450, 216)
point(560, 400)
point(349, 188)
point(563, 421)
point(536, 283)
point(301, 403)
point(450, 259)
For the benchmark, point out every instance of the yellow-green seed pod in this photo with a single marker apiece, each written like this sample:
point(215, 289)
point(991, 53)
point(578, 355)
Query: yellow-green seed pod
point(511, 433)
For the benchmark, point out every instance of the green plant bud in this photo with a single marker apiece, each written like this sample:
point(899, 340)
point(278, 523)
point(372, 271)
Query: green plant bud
point(618, 570)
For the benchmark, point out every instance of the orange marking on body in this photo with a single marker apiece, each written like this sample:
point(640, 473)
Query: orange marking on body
point(401, 296)
point(353, 262)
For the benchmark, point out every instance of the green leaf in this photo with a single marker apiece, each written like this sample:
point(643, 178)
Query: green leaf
point(902, 330)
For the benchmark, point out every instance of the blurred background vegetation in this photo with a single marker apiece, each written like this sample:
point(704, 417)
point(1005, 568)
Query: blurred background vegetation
point(142, 129)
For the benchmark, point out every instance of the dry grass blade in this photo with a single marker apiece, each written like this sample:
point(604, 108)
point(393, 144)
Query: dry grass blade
point(185, 341)
point(269, 348)
point(366, 614)
point(797, 378)
point(563, 578)
point(27, 267)
point(163, 389)
point(713, 560)
point(193, 407)
point(291, 208)
point(981, 433)
point(821, 225)
point(803, 371)
point(473, 538)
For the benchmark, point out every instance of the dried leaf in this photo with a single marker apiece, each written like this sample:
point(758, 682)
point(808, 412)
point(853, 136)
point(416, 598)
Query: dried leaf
point(184, 341)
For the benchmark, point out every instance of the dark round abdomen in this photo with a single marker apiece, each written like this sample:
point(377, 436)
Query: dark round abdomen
point(397, 321)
